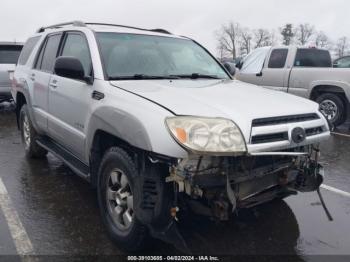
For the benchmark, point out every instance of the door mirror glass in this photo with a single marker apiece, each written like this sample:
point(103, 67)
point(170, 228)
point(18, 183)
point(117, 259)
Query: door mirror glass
point(69, 67)
point(230, 68)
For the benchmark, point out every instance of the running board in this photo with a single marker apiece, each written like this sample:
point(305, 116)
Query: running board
point(67, 157)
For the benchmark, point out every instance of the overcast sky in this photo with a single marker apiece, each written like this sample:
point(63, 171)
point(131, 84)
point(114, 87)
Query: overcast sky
point(195, 18)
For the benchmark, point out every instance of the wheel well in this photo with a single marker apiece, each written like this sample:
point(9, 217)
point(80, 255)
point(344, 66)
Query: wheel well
point(102, 141)
point(20, 101)
point(319, 90)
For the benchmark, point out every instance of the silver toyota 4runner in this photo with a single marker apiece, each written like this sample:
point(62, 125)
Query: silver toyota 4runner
point(160, 128)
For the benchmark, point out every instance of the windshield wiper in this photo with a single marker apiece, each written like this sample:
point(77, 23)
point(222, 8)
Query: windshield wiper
point(141, 77)
point(196, 76)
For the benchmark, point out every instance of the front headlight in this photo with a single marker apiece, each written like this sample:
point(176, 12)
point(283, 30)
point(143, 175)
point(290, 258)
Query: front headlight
point(207, 135)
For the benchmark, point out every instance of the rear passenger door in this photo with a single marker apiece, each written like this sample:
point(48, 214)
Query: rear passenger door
point(69, 99)
point(40, 78)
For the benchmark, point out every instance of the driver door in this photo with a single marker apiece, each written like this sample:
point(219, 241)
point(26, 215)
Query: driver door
point(69, 99)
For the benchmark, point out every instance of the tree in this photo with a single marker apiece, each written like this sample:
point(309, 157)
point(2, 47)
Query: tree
point(287, 34)
point(304, 32)
point(245, 40)
point(220, 47)
point(342, 46)
point(228, 37)
point(322, 40)
point(262, 37)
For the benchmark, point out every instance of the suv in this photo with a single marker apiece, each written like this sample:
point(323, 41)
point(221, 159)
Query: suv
point(160, 128)
point(9, 53)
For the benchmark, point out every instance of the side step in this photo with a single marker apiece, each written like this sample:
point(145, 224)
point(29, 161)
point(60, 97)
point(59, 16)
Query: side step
point(67, 157)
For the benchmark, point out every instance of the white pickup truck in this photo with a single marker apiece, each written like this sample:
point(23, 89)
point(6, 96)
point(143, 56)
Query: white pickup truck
point(305, 72)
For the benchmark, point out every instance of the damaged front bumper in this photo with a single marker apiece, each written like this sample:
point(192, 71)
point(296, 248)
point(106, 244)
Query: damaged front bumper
point(216, 186)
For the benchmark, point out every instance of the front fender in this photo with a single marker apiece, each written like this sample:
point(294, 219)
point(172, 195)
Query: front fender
point(145, 133)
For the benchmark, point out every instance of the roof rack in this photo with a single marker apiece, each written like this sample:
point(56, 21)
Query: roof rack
point(73, 23)
point(158, 30)
point(82, 24)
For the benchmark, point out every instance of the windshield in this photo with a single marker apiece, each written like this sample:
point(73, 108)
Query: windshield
point(132, 56)
point(9, 54)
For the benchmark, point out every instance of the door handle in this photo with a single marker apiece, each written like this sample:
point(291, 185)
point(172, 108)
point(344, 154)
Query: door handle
point(53, 84)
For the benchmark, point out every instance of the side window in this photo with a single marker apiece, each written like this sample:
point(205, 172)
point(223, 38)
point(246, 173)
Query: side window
point(27, 50)
point(39, 59)
point(76, 46)
point(344, 62)
point(50, 53)
point(312, 57)
point(278, 58)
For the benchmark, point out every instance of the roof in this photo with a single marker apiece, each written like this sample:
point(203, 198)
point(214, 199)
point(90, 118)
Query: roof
point(103, 27)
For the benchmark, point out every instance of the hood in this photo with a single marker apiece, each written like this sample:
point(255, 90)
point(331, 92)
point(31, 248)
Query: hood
point(232, 99)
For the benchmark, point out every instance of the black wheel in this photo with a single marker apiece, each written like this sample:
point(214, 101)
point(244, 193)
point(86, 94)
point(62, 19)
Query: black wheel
point(333, 107)
point(29, 135)
point(116, 200)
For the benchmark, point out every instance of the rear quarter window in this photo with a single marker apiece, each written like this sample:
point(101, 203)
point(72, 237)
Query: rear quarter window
point(27, 50)
point(9, 54)
point(312, 58)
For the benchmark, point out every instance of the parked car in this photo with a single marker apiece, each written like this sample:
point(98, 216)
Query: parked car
point(160, 128)
point(342, 62)
point(305, 72)
point(9, 53)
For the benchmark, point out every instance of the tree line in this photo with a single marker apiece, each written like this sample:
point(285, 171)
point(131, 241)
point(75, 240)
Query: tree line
point(234, 40)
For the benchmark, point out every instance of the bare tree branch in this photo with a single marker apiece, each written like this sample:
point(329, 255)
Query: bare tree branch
point(322, 40)
point(227, 38)
point(245, 40)
point(342, 46)
point(304, 32)
point(262, 37)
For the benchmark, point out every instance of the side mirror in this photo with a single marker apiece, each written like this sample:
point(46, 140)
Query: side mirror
point(239, 63)
point(70, 67)
point(230, 68)
point(335, 64)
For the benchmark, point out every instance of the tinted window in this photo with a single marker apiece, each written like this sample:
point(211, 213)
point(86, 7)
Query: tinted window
point(9, 54)
point(313, 58)
point(40, 56)
point(50, 53)
point(342, 62)
point(27, 50)
point(278, 58)
point(76, 46)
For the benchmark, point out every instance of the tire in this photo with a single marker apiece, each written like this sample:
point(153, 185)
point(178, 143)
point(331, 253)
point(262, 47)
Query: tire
point(29, 136)
point(333, 107)
point(117, 173)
